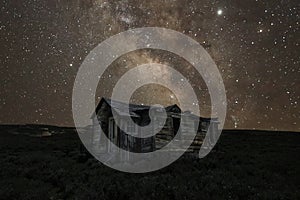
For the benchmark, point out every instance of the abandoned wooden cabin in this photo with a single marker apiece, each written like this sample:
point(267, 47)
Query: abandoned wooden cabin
point(139, 114)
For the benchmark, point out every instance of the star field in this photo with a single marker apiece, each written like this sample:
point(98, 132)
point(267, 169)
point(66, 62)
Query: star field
point(255, 45)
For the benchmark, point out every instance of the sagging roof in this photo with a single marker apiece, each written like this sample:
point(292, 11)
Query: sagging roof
point(120, 108)
point(135, 110)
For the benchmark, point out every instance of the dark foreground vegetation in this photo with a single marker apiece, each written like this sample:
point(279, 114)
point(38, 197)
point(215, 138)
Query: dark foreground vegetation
point(243, 165)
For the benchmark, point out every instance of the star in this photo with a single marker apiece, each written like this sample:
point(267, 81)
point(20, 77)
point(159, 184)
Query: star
point(220, 12)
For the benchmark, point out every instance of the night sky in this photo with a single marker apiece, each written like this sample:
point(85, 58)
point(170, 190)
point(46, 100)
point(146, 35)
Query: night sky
point(255, 45)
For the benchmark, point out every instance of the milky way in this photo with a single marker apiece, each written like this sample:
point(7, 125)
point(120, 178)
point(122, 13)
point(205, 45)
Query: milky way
point(255, 45)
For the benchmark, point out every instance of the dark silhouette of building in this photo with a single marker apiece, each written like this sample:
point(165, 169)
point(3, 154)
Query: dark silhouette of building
point(140, 115)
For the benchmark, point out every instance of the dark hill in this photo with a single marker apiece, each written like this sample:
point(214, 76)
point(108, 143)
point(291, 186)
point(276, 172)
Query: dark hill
point(243, 165)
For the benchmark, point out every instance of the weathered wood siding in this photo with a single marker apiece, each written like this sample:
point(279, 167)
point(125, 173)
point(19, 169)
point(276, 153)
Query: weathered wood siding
point(137, 144)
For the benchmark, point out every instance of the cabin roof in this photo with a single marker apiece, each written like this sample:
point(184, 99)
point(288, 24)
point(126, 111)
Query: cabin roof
point(134, 109)
point(120, 107)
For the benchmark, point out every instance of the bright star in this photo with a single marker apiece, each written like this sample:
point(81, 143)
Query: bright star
point(220, 12)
